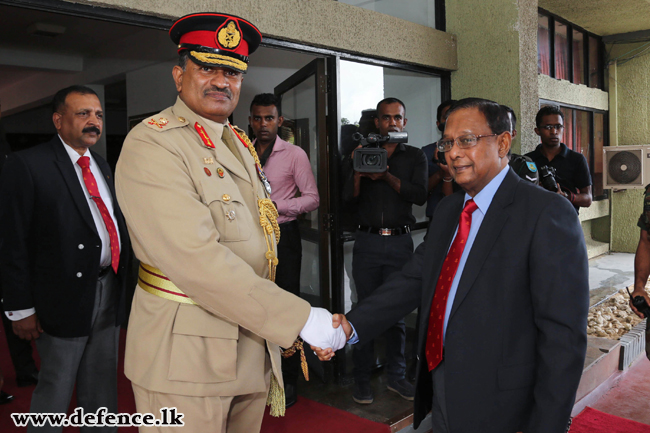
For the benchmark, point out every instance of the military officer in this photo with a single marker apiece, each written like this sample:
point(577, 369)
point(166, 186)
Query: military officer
point(206, 322)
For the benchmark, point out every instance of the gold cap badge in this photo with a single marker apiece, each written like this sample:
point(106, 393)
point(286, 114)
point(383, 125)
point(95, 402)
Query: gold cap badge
point(229, 35)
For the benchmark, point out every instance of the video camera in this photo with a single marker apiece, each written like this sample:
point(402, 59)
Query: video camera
point(371, 158)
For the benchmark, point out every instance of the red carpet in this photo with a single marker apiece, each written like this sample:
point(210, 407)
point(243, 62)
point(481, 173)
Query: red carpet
point(594, 421)
point(309, 416)
point(305, 415)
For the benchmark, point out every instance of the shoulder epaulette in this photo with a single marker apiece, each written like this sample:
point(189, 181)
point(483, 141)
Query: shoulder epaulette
point(165, 121)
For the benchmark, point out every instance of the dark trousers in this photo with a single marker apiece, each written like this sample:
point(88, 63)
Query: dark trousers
point(287, 276)
point(88, 362)
point(20, 350)
point(374, 259)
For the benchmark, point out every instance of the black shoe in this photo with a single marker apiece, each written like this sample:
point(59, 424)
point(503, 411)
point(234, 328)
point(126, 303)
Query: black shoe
point(363, 393)
point(5, 398)
point(290, 395)
point(29, 380)
point(403, 387)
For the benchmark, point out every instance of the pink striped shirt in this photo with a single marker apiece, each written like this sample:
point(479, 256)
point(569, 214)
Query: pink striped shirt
point(289, 171)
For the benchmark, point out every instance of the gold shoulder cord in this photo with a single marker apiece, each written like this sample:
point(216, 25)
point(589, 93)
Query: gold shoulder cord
point(269, 222)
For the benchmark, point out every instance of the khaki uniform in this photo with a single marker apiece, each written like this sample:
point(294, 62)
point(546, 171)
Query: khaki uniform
point(177, 195)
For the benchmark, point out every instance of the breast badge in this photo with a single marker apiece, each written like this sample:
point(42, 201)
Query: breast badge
point(207, 171)
point(220, 172)
point(230, 215)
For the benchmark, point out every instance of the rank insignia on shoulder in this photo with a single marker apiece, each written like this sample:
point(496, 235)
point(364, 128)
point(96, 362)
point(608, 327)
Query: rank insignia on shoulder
point(159, 123)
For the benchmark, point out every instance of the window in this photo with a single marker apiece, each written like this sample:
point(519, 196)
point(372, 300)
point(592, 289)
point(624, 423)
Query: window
point(567, 52)
point(578, 45)
point(543, 46)
point(584, 132)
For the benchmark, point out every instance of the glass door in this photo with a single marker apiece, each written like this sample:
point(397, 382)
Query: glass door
point(305, 124)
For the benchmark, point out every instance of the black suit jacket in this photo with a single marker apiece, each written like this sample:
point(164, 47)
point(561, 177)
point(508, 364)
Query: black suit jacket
point(49, 246)
point(516, 338)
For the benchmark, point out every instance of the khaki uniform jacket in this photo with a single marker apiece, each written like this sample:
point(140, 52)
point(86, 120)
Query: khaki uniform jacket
point(176, 216)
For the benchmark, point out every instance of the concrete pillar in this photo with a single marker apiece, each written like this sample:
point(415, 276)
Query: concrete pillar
point(497, 58)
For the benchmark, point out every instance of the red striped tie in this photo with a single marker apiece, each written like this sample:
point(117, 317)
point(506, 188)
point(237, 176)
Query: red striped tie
point(449, 268)
point(91, 185)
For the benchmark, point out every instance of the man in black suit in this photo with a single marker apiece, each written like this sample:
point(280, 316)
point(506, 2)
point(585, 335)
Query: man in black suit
point(64, 256)
point(19, 350)
point(512, 313)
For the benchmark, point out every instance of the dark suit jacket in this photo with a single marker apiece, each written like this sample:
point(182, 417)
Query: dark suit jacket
point(516, 337)
point(49, 248)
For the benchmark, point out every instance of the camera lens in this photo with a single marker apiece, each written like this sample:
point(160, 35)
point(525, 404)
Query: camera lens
point(371, 160)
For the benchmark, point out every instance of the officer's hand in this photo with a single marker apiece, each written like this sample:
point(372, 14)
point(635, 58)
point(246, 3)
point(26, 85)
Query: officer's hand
point(635, 293)
point(28, 328)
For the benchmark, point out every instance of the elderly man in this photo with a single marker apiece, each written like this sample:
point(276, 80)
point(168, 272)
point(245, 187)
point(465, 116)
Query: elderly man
point(503, 335)
point(206, 322)
point(64, 258)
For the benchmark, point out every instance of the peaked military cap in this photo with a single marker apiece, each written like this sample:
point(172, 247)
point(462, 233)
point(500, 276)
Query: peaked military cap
point(215, 39)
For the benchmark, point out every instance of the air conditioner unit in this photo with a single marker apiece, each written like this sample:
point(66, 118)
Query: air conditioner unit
point(626, 167)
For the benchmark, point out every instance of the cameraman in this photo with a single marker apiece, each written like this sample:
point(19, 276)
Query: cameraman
point(440, 182)
point(572, 171)
point(383, 240)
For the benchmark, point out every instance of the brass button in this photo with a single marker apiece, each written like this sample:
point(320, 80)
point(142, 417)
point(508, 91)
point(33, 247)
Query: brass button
point(225, 197)
point(181, 119)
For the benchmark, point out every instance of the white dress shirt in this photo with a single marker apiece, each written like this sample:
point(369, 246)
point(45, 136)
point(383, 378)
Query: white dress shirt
point(105, 192)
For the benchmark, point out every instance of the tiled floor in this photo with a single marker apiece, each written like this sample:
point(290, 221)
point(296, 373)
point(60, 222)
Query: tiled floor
point(629, 397)
point(608, 274)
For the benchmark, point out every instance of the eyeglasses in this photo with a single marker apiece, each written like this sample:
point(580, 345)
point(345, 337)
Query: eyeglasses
point(463, 142)
point(550, 127)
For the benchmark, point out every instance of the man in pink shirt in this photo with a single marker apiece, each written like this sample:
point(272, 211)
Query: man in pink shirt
point(289, 172)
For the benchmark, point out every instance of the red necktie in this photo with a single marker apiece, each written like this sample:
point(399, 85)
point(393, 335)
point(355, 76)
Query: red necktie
point(449, 268)
point(91, 185)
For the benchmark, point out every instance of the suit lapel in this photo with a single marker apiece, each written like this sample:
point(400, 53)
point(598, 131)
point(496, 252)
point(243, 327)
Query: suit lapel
point(449, 222)
point(74, 186)
point(494, 221)
point(106, 172)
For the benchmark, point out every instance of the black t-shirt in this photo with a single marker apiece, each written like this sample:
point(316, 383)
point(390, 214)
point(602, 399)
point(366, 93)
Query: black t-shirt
point(572, 170)
point(379, 205)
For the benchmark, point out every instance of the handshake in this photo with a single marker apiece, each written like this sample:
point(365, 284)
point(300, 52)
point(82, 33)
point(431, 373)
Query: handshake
point(325, 333)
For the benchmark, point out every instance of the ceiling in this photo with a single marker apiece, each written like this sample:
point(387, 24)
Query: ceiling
point(603, 17)
point(84, 42)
